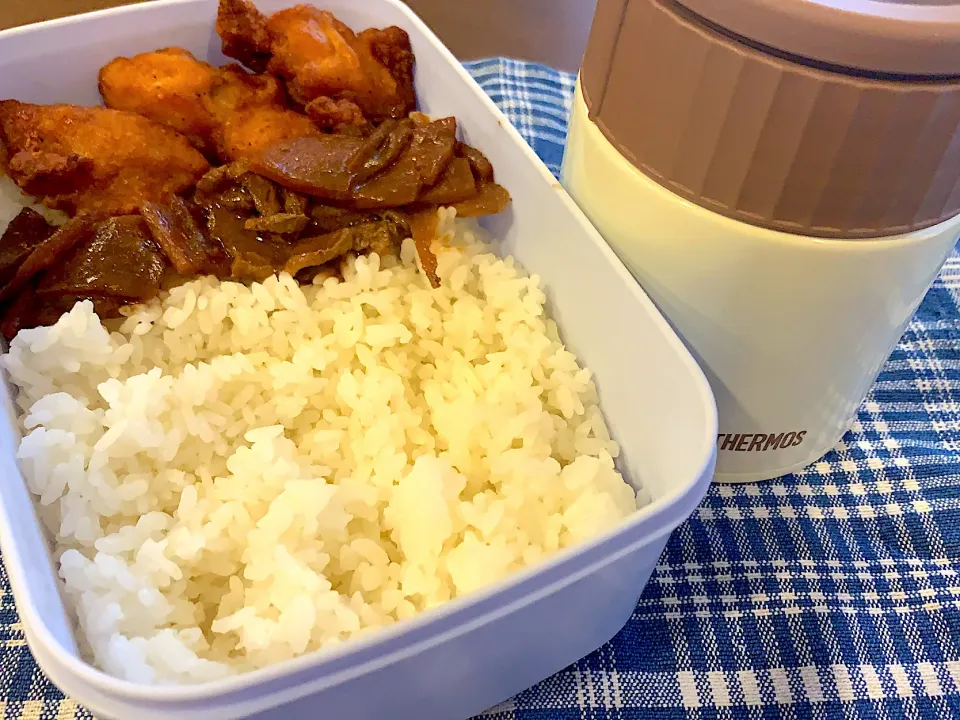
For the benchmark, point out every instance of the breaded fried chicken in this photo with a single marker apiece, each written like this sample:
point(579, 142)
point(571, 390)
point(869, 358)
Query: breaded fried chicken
point(319, 56)
point(250, 114)
point(224, 110)
point(243, 33)
point(82, 159)
point(234, 89)
point(246, 134)
point(169, 86)
point(338, 116)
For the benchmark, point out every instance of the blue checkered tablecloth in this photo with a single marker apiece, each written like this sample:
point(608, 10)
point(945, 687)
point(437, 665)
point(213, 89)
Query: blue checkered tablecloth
point(833, 593)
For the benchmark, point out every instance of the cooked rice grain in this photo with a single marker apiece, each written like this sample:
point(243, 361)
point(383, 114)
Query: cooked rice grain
point(236, 475)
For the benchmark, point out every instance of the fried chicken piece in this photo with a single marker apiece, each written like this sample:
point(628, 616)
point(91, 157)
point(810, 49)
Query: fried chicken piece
point(224, 110)
point(319, 56)
point(391, 48)
point(246, 135)
point(244, 34)
point(175, 89)
point(82, 159)
point(234, 89)
point(339, 116)
point(46, 173)
point(169, 86)
point(251, 114)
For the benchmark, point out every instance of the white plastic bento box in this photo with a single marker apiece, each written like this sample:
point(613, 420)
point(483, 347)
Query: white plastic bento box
point(474, 652)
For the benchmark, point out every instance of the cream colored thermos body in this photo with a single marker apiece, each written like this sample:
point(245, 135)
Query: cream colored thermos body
point(761, 225)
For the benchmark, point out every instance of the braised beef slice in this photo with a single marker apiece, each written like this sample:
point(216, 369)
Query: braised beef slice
point(438, 149)
point(491, 199)
point(319, 250)
point(381, 149)
point(455, 185)
point(236, 199)
point(420, 165)
point(263, 192)
point(24, 233)
point(409, 162)
point(309, 274)
point(120, 260)
point(379, 236)
point(399, 219)
point(482, 168)
point(293, 202)
point(30, 310)
point(279, 223)
point(315, 166)
point(49, 252)
point(15, 318)
point(253, 255)
point(225, 186)
point(175, 230)
point(219, 179)
point(327, 218)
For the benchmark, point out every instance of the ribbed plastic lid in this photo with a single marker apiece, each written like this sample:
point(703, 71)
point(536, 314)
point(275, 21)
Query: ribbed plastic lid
point(890, 36)
point(751, 108)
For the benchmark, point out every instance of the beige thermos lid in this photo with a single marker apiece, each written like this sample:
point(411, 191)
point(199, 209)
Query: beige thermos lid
point(830, 118)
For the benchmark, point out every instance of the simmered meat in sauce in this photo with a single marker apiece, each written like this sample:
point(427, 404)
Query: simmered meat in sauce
point(112, 261)
point(314, 159)
point(176, 231)
point(119, 260)
point(48, 253)
point(24, 233)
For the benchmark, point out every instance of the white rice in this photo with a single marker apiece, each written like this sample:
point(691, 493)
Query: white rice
point(236, 475)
